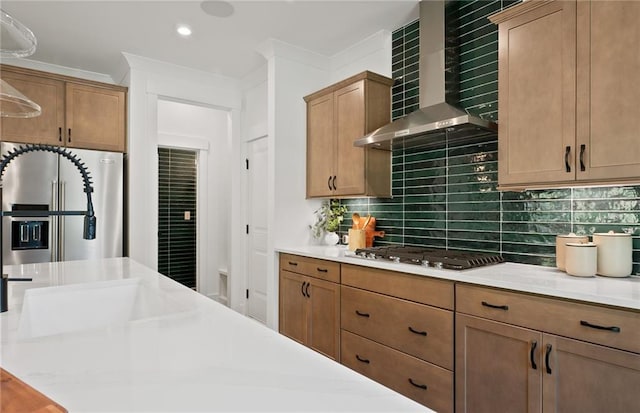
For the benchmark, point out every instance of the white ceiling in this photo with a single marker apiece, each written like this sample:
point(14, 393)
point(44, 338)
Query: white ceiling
point(90, 35)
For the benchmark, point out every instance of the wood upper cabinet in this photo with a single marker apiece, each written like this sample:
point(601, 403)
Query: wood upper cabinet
point(310, 306)
point(567, 81)
point(608, 83)
point(49, 94)
point(536, 92)
point(75, 113)
point(507, 359)
point(336, 117)
point(95, 118)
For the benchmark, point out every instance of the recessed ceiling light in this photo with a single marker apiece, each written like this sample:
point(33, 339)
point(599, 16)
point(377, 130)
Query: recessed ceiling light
point(217, 8)
point(183, 30)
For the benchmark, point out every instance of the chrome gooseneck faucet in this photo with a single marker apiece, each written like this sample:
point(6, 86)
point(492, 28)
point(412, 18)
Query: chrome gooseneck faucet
point(89, 216)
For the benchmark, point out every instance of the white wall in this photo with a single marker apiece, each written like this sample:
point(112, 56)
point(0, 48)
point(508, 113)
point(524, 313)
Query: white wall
point(150, 81)
point(372, 53)
point(204, 130)
point(293, 73)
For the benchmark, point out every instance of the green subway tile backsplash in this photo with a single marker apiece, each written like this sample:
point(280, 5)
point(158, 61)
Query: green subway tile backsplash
point(446, 196)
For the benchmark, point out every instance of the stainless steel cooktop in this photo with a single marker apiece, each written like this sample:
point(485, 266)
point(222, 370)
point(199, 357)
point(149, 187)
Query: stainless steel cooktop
point(429, 257)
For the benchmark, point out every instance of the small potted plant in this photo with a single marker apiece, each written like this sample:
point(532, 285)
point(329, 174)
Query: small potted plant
point(328, 219)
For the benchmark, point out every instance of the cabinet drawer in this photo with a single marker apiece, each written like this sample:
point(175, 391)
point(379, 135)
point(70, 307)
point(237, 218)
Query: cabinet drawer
point(422, 331)
point(325, 270)
point(565, 318)
point(397, 371)
point(410, 287)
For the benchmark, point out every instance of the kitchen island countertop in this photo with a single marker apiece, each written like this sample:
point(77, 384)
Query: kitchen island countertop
point(618, 292)
point(114, 336)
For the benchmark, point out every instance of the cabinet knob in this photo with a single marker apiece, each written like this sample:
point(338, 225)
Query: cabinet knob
point(547, 355)
point(422, 333)
point(497, 307)
point(421, 386)
point(362, 314)
point(362, 359)
point(614, 329)
point(534, 344)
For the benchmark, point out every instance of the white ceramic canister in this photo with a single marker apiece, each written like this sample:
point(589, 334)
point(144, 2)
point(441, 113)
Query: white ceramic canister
point(581, 259)
point(561, 241)
point(615, 252)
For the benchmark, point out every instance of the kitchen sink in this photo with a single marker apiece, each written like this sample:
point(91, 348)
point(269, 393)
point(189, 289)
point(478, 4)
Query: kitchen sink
point(68, 308)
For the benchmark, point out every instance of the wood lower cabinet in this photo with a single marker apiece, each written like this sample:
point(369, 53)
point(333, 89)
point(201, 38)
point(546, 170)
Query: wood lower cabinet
point(336, 116)
point(389, 337)
point(493, 370)
point(310, 306)
point(589, 378)
point(75, 113)
point(501, 366)
point(565, 74)
point(417, 379)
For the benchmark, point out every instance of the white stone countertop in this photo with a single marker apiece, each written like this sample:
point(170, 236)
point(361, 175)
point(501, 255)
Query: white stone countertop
point(114, 336)
point(619, 292)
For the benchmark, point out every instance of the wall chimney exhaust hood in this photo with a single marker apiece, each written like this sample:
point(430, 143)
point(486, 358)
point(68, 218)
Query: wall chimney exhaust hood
point(436, 120)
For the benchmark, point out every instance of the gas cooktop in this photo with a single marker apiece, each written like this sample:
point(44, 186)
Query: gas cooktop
point(429, 257)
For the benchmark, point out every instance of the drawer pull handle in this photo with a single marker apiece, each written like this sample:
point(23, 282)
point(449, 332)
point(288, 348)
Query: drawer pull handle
point(422, 333)
point(534, 344)
point(499, 307)
point(295, 264)
point(588, 324)
point(567, 151)
point(546, 358)
point(329, 183)
point(583, 147)
point(362, 314)
point(362, 360)
point(421, 386)
point(302, 288)
point(306, 290)
point(322, 269)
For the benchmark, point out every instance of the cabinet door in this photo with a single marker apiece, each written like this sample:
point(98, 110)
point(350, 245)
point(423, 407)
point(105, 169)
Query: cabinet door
point(583, 377)
point(293, 304)
point(95, 118)
point(608, 83)
point(497, 367)
point(324, 317)
point(536, 137)
point(46, 128)
point(350, 123)
point(320, 146)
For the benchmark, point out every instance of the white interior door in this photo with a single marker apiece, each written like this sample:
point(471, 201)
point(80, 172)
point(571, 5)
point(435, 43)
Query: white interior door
point(257, 151)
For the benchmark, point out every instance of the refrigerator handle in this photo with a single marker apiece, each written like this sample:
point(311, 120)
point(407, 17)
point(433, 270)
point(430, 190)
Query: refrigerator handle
point(61, 200)
point(53, 220)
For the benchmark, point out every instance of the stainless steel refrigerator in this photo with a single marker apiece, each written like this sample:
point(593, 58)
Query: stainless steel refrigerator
point(48, 181)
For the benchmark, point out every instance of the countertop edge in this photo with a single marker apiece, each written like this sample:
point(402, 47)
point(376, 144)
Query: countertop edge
point(532, 279)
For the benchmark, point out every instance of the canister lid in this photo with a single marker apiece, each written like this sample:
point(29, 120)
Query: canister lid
point(612, 234)
point(580, 244)
point(570, 235)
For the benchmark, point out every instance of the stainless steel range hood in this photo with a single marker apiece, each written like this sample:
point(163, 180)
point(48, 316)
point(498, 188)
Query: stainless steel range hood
point(436, 120)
